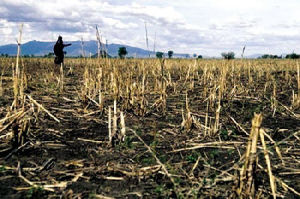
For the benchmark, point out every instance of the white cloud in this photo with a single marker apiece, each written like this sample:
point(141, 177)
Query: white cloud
point(115, 23)
point(204, 27)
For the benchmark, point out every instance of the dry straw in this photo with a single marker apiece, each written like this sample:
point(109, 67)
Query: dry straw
point(247, 187)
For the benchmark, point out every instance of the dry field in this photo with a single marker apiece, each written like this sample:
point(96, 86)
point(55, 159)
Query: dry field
point(111, 128)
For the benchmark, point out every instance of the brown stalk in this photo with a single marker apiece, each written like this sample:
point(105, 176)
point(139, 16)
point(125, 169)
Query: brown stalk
point(248, 169)
point(268, 162)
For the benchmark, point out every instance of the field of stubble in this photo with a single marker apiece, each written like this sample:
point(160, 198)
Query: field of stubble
point(150, 128)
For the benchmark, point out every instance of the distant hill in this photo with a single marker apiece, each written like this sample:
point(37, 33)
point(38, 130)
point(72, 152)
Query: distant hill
point(39, 48)
point(253, 56)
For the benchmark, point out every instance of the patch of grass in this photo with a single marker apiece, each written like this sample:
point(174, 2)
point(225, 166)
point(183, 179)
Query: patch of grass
point(192, 158)
point(204, 181)
point(128, 142)
point(169, 117)
point(159, 189)
point(92, 196)
point(257, 109)
point(194, 193)
point(52, 85)
point(177, 180)
point(2, 168)
point(230, 152)
point(153, 145)
point(163, 158)
point(139, 131)
point(232, 131)
point(224, 134)
point(34, 192)
point(170, 169)
point(148, 161)
point(214, 153)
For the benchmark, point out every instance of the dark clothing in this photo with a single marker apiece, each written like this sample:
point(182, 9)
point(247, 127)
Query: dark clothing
point(59, 59)
point(58, 51)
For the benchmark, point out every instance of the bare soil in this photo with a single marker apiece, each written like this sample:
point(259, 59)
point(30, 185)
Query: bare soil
point(74, 155)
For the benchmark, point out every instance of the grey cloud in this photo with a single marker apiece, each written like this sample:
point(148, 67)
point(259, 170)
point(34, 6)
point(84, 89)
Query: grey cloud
point(123, 21)
point(19, 13)
point(65, 26)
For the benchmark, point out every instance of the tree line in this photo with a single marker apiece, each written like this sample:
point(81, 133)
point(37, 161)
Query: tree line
point(122, 52)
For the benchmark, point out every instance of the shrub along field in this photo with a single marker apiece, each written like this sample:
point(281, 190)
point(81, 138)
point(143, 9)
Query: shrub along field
point(153, 128)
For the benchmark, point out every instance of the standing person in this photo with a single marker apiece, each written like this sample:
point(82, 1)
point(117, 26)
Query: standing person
point(58, 50)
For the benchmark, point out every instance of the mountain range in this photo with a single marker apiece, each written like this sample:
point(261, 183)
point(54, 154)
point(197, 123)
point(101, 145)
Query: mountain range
point(39, 48)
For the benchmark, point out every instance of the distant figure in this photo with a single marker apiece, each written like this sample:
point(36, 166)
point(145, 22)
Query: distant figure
point(58, 50)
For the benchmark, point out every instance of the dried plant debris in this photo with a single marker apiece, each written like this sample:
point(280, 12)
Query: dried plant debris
point(133, 128)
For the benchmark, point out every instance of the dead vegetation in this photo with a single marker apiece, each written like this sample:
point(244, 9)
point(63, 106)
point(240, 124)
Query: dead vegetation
point(110, 128)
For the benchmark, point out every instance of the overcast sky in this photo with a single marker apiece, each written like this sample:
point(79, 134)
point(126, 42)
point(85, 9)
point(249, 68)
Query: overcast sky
point(206, 27)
